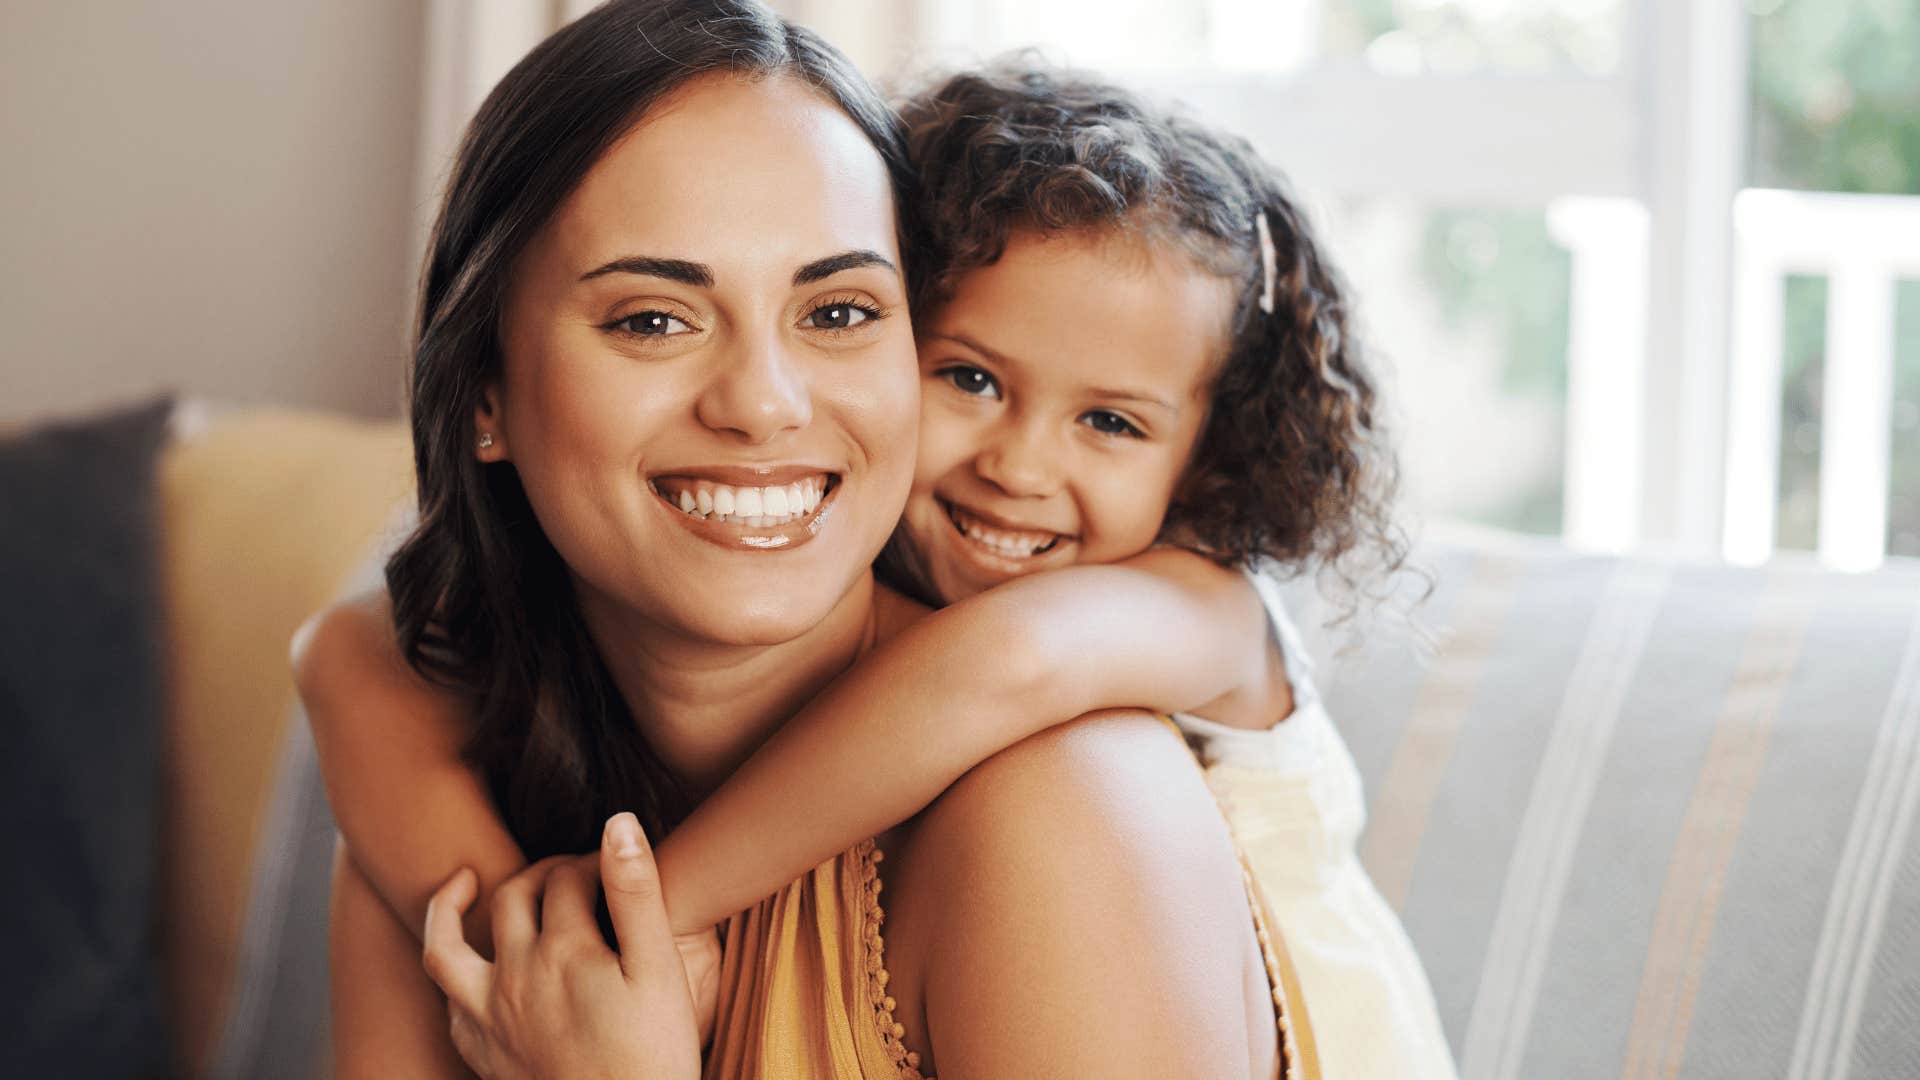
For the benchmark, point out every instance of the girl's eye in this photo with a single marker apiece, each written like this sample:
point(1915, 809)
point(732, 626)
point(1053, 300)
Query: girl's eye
point(840, 316)
point(970, 380)
point(1109, 423)
point(650, 324)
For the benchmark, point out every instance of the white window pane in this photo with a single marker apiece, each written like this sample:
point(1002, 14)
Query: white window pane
point(1395, 37)
point(1454, 37)
point(1468, 310)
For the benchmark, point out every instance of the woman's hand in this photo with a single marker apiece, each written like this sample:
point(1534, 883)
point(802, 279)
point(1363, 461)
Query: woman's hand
point(555, 1001)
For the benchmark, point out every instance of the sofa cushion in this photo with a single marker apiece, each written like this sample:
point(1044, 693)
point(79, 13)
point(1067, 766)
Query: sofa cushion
point(268, 513)
point(1648, 817)
point(81, 692)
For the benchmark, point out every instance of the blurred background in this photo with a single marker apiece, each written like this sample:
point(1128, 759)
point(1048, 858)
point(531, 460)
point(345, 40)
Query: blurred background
point(1645, 273)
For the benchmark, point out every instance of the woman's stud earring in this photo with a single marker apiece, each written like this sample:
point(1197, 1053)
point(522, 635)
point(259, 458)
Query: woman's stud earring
point(486, 440)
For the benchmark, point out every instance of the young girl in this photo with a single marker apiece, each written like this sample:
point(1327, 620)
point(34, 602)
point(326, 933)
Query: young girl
point(1137, 377)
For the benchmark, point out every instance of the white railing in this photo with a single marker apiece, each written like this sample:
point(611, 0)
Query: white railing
point(1862, 244)
point(1606, 368)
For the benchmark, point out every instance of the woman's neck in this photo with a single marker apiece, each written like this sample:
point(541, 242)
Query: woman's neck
point(705, 707)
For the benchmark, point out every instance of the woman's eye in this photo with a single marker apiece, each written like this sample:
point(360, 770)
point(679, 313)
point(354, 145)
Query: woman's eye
point(651, 324)
point(971, 381)
point(1108, 423)
point(839, 316)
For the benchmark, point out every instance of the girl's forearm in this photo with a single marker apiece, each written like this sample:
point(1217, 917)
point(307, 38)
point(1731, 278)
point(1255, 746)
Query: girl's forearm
point(870, 751)
point(952, 690)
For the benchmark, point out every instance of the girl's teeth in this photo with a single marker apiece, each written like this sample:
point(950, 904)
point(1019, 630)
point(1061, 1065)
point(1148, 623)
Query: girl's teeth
point(1010, 545)
point(755, 507)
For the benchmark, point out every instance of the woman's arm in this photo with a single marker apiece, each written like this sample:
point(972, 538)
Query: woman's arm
point(1078, 910)
point(410, 809)
point(388, 1019)
point(1167, 631)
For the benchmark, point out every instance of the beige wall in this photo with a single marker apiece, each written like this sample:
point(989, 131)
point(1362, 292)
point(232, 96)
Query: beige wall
point(209, 195)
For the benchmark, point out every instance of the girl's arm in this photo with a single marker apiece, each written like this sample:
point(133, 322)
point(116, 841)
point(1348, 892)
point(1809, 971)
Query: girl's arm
point(1167, 631)
point(410, 809)
point(388, 1019)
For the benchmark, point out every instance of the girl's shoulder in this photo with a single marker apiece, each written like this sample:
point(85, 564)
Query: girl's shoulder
point(346, 662)
point(347, 639)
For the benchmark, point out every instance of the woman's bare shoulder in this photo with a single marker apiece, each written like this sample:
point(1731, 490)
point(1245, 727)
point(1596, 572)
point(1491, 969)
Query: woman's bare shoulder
point(1090, 867)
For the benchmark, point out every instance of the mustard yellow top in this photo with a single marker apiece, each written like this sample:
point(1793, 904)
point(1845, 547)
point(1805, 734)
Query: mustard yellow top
point(803, 985)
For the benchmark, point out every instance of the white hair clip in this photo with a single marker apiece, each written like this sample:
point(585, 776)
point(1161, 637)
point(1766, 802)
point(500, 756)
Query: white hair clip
point(1269, 262)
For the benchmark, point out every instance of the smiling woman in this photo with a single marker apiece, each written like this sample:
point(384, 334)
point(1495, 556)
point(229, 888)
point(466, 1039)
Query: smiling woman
point(684, 316)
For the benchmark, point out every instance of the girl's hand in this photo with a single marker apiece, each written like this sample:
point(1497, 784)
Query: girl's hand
point(555, 1001)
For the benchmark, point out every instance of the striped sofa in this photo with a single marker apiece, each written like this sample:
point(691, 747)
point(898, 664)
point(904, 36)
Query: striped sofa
point(1648, 818)
point(1642, 818)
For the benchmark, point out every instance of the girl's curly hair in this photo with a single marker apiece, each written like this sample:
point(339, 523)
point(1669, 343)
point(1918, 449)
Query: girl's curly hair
point(1294, 464)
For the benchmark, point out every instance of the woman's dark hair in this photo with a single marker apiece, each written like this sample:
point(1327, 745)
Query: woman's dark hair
point(482, 602)
point(1294, 463)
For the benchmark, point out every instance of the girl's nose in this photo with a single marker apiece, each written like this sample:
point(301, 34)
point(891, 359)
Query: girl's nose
point(1021, 462)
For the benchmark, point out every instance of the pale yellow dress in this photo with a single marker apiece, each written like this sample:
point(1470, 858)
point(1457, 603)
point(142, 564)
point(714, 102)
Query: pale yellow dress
point(1293, 798)
point(803, 985)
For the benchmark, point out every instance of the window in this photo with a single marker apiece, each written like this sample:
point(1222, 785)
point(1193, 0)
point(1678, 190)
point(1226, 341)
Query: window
point(1597, 241)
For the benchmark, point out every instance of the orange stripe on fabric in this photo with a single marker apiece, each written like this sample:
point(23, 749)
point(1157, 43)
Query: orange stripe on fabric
point(1709, 833)
point(1405, 797)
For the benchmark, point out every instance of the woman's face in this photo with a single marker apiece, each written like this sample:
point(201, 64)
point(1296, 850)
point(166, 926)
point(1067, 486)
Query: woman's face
point(1065, 386)
point(709, 387)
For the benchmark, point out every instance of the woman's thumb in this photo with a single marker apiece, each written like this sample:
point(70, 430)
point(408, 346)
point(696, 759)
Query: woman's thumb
point(634, 903)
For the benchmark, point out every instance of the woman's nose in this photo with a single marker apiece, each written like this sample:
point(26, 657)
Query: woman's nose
point(1020, 461)
point(760, 391)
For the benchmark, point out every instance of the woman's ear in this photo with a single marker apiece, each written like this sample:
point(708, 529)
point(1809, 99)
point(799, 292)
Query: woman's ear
point(489, 436)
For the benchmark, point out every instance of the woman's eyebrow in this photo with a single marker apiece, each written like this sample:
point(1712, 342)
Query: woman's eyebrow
point(820, 269)
point(701, 275)
point(687, 273)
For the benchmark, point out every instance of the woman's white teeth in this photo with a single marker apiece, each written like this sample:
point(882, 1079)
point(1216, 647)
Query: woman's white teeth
point(756, 507)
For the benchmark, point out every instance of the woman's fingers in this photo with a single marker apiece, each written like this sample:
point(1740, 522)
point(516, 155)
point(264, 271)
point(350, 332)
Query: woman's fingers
point(566, 912)
point(516, 908)
point(634, 902)
point(468, 1041)
point(462, 974)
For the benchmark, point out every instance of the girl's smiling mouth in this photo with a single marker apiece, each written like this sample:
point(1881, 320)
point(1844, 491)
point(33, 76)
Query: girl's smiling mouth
point(1003, 546)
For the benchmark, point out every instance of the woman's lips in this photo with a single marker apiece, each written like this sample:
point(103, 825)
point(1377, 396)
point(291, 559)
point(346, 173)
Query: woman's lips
point(782, 508)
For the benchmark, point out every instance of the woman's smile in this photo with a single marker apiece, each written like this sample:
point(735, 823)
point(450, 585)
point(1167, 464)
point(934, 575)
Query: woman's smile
point(761, 507)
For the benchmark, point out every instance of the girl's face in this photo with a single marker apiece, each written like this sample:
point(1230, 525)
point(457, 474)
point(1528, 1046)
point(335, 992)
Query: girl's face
point(708, 386)
point(1063, 390)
